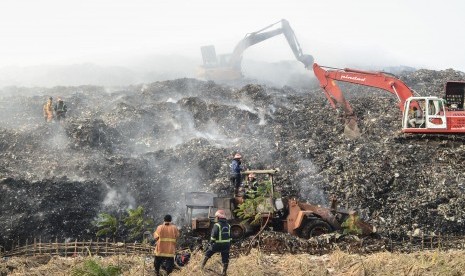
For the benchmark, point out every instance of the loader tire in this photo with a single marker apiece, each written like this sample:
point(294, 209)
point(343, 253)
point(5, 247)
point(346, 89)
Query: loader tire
point(313, 228)
point(237, 232)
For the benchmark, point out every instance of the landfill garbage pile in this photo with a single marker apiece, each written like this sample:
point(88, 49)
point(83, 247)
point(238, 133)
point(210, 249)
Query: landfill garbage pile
point(147, 145)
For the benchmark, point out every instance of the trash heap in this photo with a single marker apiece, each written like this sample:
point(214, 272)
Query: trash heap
point(147, 145)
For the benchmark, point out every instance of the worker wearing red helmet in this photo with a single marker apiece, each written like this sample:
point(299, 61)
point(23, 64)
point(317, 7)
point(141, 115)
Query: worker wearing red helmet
point(236, 169)
point(220, 240)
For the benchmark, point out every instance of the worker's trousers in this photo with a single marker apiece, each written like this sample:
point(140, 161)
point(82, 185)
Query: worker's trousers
point(167, 262)
point(222, 248)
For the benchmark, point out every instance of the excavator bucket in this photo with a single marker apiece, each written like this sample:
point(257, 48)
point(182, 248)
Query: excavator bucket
point(351, 129)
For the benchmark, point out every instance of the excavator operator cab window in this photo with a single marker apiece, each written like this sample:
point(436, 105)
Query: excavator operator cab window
point(416, 113)
point(436, 113)
point(425, 112)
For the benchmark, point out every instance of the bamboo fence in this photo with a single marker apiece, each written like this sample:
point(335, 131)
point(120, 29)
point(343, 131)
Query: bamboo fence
point(78, 248)
point(108, 248)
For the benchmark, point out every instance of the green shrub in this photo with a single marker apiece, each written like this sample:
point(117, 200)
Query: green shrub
point(91, 267)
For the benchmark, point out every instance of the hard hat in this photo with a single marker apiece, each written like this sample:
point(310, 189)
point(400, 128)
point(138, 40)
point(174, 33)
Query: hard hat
point(220, 214)
point(252, 175)
point(237, 156)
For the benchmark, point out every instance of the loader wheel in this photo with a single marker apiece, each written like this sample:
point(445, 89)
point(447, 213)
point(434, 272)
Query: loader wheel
point(314, 228)
point(237, 232)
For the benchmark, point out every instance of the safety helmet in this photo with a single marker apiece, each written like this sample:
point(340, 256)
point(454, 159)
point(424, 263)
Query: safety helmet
point(237, 156)
point(251, 175)
point(220, 214)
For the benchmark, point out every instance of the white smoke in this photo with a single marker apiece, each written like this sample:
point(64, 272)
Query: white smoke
point(308, 183)
point(119, 199)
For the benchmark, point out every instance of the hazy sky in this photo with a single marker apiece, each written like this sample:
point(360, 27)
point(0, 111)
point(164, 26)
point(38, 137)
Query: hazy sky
point(421, 33)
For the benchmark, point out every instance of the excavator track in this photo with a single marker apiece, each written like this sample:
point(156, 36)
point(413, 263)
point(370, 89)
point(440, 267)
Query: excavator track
point(457, 139)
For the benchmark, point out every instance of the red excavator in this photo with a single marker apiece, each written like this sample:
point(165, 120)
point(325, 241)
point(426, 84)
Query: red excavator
point(227, 67)
point(421, 115)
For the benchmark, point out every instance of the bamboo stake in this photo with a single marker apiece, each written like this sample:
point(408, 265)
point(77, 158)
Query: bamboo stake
point(125, 249)
point(98, 244)
point(145, 257)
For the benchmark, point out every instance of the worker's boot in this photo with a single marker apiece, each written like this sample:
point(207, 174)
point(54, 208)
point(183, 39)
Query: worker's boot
point(225, 267)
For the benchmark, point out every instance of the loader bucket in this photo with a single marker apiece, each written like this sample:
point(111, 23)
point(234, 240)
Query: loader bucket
point(351, 129)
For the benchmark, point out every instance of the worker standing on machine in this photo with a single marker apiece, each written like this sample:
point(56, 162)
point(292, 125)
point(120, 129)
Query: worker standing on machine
point(252, 186)
point(236, 169)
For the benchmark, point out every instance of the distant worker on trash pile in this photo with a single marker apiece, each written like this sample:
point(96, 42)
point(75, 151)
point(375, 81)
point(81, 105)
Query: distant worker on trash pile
point(48, 110)
point(236, 169)
point(220, 240)
point(60, 110)
point(165, 236)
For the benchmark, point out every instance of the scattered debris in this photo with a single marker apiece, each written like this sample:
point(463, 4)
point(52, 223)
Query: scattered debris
point(147, 146)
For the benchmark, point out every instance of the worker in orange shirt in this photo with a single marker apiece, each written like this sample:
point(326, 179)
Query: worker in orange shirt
point(48, 110)
point(165, 236)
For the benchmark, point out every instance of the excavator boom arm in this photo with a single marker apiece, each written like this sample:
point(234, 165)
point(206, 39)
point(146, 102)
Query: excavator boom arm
point(373, 79)
point(328, 78)
point(260, 35)
point(307, 60)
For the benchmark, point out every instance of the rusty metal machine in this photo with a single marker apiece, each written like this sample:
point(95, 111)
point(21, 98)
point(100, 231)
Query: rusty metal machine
point(280, 214)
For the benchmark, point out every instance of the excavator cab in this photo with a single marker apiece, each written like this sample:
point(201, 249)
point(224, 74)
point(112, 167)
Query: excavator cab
point(216, 67)
point(424, 113)
point(211, 59)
